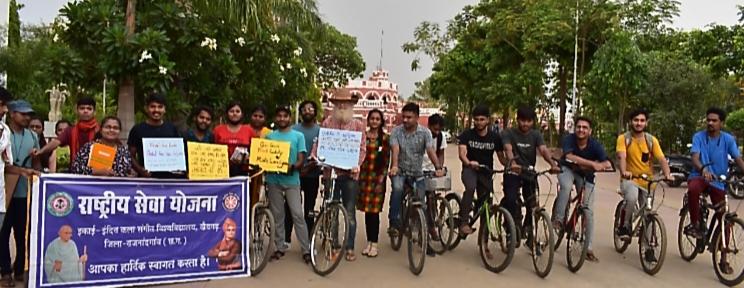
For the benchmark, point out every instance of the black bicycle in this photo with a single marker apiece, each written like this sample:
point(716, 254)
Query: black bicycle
point(724, 236)
point(331, 227)
point(413, 226)
point(497, 236)
point(541, 236)
point(647, 225)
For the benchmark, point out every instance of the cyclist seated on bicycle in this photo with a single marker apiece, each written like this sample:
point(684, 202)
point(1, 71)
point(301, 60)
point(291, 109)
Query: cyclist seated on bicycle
point(409, 143)
point(636, 151)
point(521, 146)
point(476, 147)
point(582, 156)
point(710, 151)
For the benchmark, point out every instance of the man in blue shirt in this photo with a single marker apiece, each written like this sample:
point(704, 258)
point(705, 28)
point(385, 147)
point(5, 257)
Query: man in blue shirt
point(710, 152)
point(582, 156)
point(286, 186)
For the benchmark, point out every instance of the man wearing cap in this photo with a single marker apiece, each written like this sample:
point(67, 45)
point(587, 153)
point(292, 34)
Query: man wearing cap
point(23, 141)
point(343, 101)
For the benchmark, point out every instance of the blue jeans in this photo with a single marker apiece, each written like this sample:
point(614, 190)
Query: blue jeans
point(567, 179)
point(347, 190)
point(396, 197)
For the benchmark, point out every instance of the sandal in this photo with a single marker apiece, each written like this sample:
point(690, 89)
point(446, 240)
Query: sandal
point(591, 257)
point(725, 268)
point(7, 281)
point(372, 250)
point(277, 255)
point(365, 252)
point(350, 256)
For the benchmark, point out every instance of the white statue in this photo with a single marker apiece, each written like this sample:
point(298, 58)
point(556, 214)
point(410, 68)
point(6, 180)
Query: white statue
point(57, 96)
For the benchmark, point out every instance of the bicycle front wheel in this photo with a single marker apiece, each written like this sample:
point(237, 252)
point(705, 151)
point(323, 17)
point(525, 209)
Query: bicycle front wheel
point(417, 240)
point(543, 238)
point(328, 239)
point(576, 244)
point(262, 240)
point(653, 244)
point(443, 220)
point(497, 239)
point(728, 258)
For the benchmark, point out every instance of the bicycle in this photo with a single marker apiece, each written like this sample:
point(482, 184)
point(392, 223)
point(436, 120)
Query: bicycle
point(497, 227)
point(331, 227)
point(540, 236)
point(649, 228)
point(574, 226)
point(262, 231)
point(440, 212)
point(414, 227)
point(722, 226)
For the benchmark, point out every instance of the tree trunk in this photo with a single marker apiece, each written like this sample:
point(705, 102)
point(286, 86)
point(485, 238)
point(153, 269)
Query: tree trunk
point(620, 114)
point(125, 103)
point(505, 119)
point(562, 91)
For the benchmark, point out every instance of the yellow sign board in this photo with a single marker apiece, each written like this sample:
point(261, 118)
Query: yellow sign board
point(208, 161)
point(271, 156)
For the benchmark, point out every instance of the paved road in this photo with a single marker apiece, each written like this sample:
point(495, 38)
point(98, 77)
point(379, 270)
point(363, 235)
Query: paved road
point(463, 268)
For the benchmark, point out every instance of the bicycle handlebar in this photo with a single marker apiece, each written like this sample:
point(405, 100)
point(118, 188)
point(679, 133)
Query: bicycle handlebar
point(490, 170)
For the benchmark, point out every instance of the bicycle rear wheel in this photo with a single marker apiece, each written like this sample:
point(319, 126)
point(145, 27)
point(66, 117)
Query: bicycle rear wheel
point(576, 244)
point(328, 239)
point(443, 223)
point(262, 240)
point(454, 203)
point(497, 239)
point(653, 244)
point(730, 257)
point(543, 239)
point(417, 240)
point(687, 244)
point(620, 244)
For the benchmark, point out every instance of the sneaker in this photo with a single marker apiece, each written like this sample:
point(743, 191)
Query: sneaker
point(649, 256)
point(693, 231)
point(286, 246)
point(393, 232)
point(306, 257)
point(434, 235)
point(725, 268)
point(430, 252)
point(623, 233)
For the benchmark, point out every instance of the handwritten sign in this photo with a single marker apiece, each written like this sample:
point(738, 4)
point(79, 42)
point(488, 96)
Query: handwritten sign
point(164, 154)
point(271, 156)
point(208, 161)
point(101, 156)
point(339, 148)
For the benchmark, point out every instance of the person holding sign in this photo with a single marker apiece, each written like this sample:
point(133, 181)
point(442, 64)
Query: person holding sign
point(409, 142)
point(154, 126)
point(106, 156)
point(237, 137)
point(342, 119)
point(286, 186)
point(258, 121)
point(372, 178)
point(62, 263)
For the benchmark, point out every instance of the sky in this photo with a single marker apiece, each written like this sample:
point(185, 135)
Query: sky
point(398, 18)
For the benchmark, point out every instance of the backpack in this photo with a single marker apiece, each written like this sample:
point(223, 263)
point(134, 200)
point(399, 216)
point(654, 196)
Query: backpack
point(649, 143)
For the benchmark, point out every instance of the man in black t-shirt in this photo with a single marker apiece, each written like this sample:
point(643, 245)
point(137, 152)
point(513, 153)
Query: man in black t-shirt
point(154, 127)
point(521, 145)
point(476, 147)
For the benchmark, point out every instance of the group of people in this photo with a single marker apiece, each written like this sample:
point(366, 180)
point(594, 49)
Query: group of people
point(406, 152)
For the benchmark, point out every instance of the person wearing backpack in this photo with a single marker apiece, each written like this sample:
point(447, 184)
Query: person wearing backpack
point(636, 151)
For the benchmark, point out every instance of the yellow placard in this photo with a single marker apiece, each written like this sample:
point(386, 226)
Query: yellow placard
point(271, 156)
point(208, 161)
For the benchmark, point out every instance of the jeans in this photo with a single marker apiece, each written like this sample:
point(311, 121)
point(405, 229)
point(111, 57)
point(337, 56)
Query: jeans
point(473, 181)
point(396, 197)
point(567, 179)
point(16, 220)
point(512, 184)
point(347, 190)
point(632, 194)
point(277, 195)
point(309, 187)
